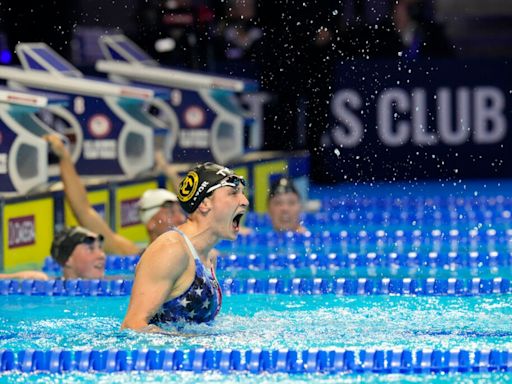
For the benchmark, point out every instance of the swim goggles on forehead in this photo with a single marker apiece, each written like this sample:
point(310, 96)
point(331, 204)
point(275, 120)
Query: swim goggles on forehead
point(230, 181)
point(90, 241)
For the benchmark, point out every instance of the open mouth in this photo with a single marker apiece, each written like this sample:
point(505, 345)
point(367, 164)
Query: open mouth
point(100, 265)
point(236, 221)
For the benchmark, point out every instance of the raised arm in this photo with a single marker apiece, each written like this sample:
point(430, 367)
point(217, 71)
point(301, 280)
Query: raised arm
point(168, 170)
point(157, 275)
point(86, 215)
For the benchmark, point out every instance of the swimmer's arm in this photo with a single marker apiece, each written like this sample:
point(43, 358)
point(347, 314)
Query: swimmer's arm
point(86, 215)
point(25, 275)
point(157, 272)
point(167, 169)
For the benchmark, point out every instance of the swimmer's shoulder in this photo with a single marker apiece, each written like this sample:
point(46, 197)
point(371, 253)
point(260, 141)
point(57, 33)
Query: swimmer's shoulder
point(168, 245)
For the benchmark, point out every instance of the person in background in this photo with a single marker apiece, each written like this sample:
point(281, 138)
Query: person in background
point(159, 209)
point(175, 280)
point(238, 36)
point(175, 32)
point(410, 33)
point(77, 250)
point(285, 206)
point(80, 253)
point(296, 70)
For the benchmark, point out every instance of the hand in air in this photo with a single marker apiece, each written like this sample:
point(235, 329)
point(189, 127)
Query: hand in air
point(56, 145)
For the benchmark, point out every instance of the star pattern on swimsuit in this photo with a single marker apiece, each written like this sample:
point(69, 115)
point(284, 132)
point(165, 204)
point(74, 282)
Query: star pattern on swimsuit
point(198, 304)
point(183, 302)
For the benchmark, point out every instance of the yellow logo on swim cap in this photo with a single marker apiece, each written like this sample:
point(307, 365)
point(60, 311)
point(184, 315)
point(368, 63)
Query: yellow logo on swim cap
point(188, 186)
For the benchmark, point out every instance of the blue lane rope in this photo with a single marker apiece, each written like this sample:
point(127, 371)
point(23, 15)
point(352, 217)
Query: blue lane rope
point(295, 286)
point(260, 261)
point(257, 361)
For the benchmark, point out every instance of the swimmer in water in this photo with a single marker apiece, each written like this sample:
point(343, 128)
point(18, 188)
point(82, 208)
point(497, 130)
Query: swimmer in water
point(284, 206)
point(175, 278)
point(77, 250)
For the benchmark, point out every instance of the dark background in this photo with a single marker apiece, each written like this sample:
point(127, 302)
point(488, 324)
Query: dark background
point(300, 74)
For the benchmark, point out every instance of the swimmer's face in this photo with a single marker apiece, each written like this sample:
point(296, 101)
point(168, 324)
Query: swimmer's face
point(284, 210)
point(228, 204)
point(87, 261)
point(169, 215)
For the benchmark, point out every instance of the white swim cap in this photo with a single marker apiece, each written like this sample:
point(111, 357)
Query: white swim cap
point(152, 200)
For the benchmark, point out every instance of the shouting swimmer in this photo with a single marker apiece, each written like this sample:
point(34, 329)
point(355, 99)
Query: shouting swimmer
point(175, 279)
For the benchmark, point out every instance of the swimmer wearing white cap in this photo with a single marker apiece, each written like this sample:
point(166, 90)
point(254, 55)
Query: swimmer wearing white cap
point(159, 210)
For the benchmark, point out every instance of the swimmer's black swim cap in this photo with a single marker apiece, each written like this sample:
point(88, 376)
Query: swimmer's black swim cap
point(283, 185)
point(65, 241)
point(203, 180)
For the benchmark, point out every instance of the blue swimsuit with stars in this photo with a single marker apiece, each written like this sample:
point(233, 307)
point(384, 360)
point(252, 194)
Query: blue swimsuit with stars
point(200, 303)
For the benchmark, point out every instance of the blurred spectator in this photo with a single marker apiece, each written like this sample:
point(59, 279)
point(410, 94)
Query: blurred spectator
point(297, 70)
point(174, 32)
point(410, 32)
point(237, 36)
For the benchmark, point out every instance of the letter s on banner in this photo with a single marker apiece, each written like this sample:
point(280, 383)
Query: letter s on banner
point(350, 133)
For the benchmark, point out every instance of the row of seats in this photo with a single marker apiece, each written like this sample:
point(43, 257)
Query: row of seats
point(265, 261)
point(408, 235)
point(368, 248)
point(390, 217)
point(418, 202)
point(257, 361)
point(349, 260)
point(295, 286)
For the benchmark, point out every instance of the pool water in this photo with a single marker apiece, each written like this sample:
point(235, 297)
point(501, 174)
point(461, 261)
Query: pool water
point(327, 322)
point(245, 378)
point(269, 322)
point(218, 378)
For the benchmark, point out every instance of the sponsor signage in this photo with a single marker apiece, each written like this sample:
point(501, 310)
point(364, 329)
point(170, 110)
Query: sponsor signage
point(21, 231)
point(28, 231)
point(129, 212)
point(428, 119)
point(127, 222)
